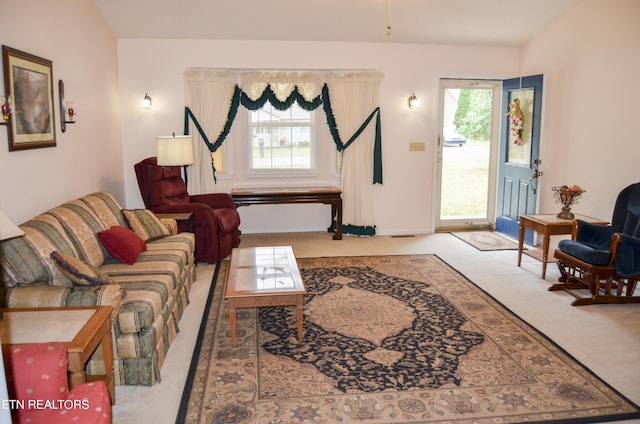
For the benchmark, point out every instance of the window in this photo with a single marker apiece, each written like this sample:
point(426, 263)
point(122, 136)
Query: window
point(281, 139)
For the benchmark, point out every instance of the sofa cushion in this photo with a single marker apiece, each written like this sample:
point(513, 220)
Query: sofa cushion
point(122, 244)
point(148, 296)
point(106, 208)
point(182, 244)
point(82, 225)
point(25, 261)
point(79, 272)
point(146, 224)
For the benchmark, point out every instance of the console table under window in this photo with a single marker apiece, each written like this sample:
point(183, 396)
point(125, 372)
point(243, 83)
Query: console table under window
point(266, 196)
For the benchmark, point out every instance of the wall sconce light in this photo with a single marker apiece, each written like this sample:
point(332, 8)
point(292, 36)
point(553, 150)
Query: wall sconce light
point(68, 110)
point(6, 106)
point(146, 102)
point(71, 112)
point(413, 101)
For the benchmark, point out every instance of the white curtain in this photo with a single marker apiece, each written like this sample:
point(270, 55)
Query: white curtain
point(208, 95)
point(282, 84)
point(353, 97)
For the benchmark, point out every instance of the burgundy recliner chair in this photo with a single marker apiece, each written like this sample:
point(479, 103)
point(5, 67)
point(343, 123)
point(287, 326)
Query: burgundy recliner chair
point(215, 215)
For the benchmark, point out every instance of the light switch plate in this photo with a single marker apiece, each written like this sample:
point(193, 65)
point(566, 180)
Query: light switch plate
point(416, 146)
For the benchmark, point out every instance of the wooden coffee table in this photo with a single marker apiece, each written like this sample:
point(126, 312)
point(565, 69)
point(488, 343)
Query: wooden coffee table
point(81, 329)
point(263, 276)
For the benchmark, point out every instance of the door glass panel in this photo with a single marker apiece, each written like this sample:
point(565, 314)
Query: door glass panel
point(466, 152)
point(520, 120)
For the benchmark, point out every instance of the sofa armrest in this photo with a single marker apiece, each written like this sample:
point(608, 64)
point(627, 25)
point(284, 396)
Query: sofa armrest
point(55, 296)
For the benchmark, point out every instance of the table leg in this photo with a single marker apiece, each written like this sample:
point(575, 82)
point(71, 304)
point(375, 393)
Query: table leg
point(107, 355)
point(545, 254)
point(300, 310)
point(232, 322)
point(333, 215)
point(338, 207)
point(77, 375)
point(520, 242)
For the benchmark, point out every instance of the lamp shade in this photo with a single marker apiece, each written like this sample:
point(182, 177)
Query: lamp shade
point(8, 229)
point(174, 150)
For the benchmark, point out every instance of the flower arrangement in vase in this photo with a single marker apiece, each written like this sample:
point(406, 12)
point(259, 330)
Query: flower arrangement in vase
point(567, 196)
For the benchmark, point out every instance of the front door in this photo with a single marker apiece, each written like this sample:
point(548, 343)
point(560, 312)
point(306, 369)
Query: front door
point(467, 154)
point(519, 163)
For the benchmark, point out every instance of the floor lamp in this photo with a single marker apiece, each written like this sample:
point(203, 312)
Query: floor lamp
point(8, 230)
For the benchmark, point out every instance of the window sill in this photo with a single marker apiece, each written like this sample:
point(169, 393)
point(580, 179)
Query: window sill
point(294, 174)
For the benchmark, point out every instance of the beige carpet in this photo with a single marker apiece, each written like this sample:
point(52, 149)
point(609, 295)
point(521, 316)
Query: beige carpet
point(389, 339)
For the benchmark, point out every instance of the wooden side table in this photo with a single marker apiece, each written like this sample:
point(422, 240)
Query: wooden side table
point(548, 225)
point(279, 195)
point(185, 217)
point(82, 329)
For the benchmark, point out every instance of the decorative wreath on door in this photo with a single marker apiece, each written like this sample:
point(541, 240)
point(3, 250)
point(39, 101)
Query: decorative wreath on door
point(516, 121)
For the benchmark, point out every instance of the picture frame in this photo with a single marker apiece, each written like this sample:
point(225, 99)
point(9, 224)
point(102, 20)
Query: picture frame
point(28, 79)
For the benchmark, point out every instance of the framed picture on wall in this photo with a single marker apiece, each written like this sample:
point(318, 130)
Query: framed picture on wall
point(28, 79)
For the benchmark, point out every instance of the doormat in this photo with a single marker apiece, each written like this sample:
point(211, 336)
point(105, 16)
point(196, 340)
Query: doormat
point(486, 240)
point(387, 339)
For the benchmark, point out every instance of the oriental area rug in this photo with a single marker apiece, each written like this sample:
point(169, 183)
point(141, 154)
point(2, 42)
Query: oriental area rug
point(387, 339)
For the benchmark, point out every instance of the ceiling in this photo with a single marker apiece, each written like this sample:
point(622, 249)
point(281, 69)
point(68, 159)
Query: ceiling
point(508, 23)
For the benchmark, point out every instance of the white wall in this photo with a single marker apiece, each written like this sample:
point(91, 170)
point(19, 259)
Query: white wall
point(88, 157)
point(589, 58)
point(591, 61)
point(403, 204)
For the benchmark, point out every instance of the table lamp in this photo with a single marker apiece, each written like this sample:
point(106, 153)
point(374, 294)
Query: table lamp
point(175, 151)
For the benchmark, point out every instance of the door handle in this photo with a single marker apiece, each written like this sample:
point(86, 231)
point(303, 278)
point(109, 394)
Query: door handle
point(535, 174)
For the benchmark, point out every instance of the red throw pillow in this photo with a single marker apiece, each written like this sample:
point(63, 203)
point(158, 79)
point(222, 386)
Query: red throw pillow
point(122, 243)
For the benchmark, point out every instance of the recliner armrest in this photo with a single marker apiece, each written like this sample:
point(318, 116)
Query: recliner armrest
point(215, 200)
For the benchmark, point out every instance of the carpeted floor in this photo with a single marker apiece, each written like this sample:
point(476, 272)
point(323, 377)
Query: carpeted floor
point(388, 339)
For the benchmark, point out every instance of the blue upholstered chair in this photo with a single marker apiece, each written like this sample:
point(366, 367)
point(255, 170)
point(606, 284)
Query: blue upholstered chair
point(604, 259)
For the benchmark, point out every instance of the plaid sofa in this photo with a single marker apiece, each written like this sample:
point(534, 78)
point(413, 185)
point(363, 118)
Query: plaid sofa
point(148, 296)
